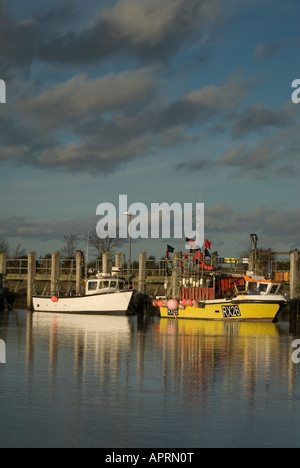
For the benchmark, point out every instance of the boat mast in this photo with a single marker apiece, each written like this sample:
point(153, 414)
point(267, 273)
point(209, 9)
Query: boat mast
point(253, 240)
point(87, 254)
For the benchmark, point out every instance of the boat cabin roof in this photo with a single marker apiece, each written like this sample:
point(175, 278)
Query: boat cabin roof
point(260, 279)
point(104, 284)
point(260, 285)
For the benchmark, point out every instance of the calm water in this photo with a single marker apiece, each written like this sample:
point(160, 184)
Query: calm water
point(119, 382)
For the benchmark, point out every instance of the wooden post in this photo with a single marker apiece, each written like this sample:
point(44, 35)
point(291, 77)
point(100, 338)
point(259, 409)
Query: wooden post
point(3, 259)
point(106, 263)
point(31, 272)
point(78, 272)
point(294, 257)
point(142, 272)
point(55, 259)
point(119, 260)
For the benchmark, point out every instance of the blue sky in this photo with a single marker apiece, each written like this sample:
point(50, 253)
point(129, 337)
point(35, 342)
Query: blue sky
point(164, 101)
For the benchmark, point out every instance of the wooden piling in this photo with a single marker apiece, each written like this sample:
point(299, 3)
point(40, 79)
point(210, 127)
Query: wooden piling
point(294, 304)
point(55, 259)
point(3, 259)
point(31, 272)
point(106, 263)
point(119, 260)
point(142, 272)
point(79, 266)
point(294, 257)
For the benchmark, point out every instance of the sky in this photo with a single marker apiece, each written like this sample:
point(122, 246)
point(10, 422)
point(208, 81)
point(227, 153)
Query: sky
point(161, 100)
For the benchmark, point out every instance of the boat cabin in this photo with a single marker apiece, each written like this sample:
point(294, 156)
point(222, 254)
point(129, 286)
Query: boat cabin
point(105, 285)
point(259, 285)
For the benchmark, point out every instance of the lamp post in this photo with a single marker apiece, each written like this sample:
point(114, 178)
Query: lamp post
point(130, 215)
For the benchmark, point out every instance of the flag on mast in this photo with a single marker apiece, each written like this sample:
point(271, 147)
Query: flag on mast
point(170, 249)
point(207, 244)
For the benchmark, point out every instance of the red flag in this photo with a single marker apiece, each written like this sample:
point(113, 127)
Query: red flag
point(207, 244)
point(199, 255)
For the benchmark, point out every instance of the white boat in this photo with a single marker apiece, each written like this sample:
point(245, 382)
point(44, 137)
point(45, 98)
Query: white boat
point(104, 294)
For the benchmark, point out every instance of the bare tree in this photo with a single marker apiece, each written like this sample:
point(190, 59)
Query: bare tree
point(71, 241)
point(4, 245)
point(18, 252)
point(101, 246)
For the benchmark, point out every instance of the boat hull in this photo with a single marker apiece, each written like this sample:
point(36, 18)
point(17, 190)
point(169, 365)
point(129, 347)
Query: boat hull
point(238, 310)
point(107, 304)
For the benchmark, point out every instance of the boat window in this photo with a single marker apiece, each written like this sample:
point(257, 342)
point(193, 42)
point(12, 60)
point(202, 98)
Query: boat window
point(262, 287)
point(92, 286)
point(252, 287)
point(121, 285)
point(274, 289)
point(113, 284)
point(103, 284)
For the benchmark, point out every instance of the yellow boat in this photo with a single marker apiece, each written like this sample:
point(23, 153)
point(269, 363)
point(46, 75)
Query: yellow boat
point(261, 301)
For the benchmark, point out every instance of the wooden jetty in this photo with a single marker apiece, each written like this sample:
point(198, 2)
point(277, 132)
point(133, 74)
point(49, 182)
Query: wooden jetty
point(54, 275)
point(51, 275)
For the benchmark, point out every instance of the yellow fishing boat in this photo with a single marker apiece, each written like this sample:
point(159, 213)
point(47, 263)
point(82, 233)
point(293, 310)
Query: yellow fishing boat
point(261, 300)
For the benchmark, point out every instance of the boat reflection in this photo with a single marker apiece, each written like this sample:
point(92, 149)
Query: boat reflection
point(239, 355)
point(94, 340)
point(210, 327)
point(191, 356)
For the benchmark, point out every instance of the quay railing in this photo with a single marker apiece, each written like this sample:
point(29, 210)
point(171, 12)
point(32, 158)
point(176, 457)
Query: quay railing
point(18, 268)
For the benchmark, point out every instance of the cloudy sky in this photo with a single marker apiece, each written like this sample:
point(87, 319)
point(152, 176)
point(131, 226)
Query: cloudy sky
point(161, 100)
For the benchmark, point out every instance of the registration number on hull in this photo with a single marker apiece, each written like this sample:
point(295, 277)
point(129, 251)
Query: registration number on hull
point(173, 313)
point(231, 311)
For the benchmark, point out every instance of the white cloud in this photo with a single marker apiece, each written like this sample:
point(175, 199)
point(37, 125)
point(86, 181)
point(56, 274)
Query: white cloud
point(82, 96)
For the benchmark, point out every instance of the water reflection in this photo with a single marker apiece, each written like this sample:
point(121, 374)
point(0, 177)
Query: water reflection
point(147, 382)
point(198, 353)
point(236, 353)
point(92, 340)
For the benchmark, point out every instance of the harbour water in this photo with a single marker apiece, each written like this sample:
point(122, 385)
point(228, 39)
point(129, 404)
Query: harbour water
point(129, 382)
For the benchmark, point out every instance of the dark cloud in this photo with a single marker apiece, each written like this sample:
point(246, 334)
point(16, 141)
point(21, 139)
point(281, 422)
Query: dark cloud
point(43, 230)
point(267, 50)
point(17, 44)
point(85, 121)
point(20, 41)
point(263, 220)
point(149, 31)
point(277, 155)
point(259, 117)
point(129, 30)
point(98, 124)
point(193, 165)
